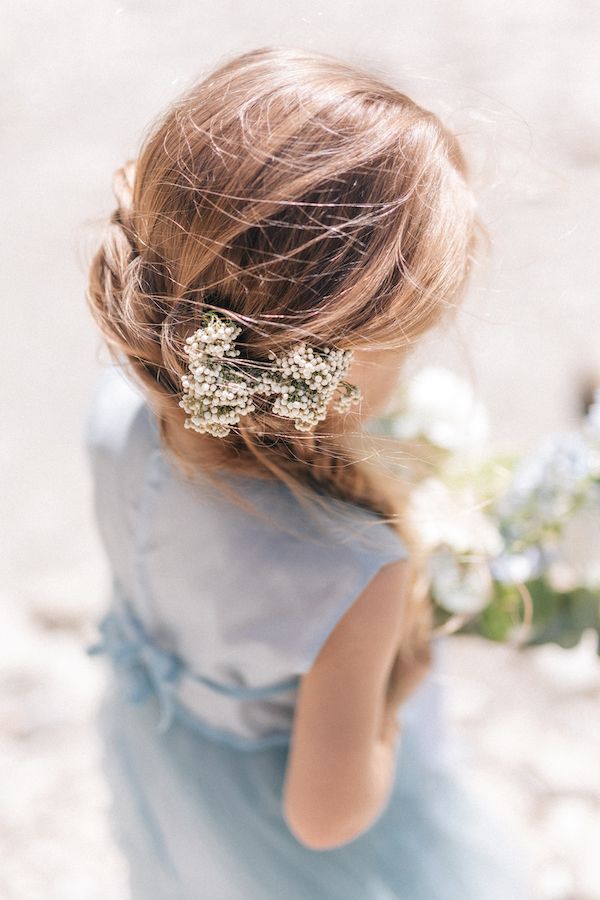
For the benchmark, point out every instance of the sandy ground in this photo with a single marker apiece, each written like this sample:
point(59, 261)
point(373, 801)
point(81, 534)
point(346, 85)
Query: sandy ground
point(519, 82)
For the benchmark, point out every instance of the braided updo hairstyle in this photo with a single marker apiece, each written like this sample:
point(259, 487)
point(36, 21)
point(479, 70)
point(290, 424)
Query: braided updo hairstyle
point(310, 201)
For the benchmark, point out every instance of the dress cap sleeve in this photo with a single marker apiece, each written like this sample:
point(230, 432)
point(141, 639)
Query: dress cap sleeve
point(346, 573)
point(312, 573)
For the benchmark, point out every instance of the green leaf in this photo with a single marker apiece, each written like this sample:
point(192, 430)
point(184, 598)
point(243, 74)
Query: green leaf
point(574, 612)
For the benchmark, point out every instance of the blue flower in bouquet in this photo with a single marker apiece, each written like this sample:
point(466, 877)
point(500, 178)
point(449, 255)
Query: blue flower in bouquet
point(546, 488)
point(513, 568)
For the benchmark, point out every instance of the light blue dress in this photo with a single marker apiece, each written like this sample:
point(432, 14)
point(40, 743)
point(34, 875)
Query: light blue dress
point(214, 615)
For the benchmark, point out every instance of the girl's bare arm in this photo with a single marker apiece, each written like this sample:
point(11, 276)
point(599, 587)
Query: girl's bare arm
point(344, 741)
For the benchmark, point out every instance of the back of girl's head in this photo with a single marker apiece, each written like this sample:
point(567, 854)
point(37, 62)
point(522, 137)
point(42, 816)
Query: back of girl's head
point(310, 201)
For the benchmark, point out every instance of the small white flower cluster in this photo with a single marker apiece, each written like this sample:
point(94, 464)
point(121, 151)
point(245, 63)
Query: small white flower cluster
point(305, 380)
point(217, 392)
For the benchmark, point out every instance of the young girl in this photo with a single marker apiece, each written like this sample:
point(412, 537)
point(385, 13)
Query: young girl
point(289, 229)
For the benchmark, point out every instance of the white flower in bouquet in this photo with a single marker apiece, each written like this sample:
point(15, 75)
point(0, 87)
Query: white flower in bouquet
point(561, 576)
point(451, 524)
point(453, 517)
point(440, 406)
point(459, 587)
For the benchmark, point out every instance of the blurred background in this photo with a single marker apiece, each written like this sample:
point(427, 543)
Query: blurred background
point(519, 83)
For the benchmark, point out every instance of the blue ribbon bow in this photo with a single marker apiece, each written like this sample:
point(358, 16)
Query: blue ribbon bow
point(148, 668)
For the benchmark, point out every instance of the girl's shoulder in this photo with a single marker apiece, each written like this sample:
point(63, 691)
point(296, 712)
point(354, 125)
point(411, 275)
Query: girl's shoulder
point(335, 526)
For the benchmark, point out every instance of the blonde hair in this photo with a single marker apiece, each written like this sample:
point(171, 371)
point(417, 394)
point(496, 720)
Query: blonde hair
point(311, 201)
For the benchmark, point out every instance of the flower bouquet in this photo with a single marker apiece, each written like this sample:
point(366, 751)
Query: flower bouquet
point(497, 527)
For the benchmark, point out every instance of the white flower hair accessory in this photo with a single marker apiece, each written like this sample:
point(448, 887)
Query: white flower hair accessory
point(218, 391)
